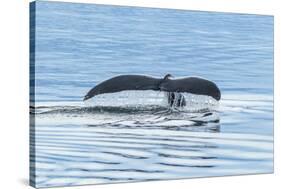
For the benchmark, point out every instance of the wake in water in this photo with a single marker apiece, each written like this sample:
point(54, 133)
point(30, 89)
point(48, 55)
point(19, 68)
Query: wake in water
point(134, 109)
point(133, 101)
point(137, 138)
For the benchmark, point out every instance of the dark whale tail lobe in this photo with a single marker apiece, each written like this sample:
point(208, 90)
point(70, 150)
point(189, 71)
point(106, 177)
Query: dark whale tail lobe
point(174, 87)
point(122, 83)
point(86, 97)
point(193, 85)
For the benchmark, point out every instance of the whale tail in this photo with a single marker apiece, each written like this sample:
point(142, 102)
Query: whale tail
point(173, 87)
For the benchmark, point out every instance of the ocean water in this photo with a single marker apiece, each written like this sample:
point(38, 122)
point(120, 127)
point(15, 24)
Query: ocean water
point(134, 135)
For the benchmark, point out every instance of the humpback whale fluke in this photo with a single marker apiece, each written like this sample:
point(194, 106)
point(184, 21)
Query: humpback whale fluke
point(174, 87)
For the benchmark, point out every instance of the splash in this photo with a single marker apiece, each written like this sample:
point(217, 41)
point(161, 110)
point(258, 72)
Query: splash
point(142, 99)
point(134, 109)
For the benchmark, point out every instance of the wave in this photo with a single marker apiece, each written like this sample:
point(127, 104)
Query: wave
point(77, 143)
point(129, 102)
point(132, 109)
point(73, 154)
point(201, 113)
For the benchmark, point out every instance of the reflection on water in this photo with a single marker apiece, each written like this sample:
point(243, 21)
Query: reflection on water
point(136, 136)
point(79, 144)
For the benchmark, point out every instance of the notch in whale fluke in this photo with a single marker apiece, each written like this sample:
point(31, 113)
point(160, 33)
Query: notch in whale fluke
point(194, 85)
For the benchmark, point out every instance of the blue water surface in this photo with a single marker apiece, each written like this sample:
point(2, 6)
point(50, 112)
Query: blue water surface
point(78, 46)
